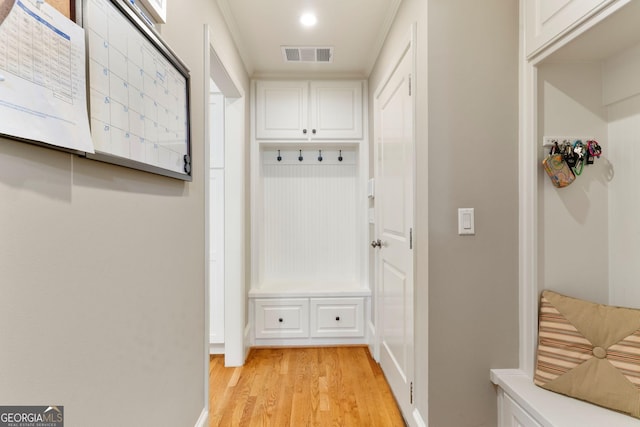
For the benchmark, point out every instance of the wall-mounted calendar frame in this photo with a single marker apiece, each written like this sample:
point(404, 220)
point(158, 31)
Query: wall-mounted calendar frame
point(138, 92)
point(157, 8)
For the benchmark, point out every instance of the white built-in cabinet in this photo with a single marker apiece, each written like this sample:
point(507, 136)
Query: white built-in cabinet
point(308, 110)
point(580, 79)
point(523, 404)
point(548, 20)
point(309, 165)
point(309, 317)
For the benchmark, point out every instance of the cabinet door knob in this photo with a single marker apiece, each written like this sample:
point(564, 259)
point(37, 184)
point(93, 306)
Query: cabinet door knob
point(313, 131)
point(304, 131)
point(337, 318)
point(280, 320)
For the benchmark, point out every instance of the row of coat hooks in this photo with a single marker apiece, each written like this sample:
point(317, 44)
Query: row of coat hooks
point(301, 157)
point(567, 158)
point(309, 155)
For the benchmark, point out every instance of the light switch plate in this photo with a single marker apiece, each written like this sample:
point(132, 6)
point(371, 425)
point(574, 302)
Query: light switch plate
point(466, 221)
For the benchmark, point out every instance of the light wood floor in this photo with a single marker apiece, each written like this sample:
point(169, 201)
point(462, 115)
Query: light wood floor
point(280, 387)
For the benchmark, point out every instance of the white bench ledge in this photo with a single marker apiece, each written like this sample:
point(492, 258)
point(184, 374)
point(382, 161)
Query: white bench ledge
point(306, 290)
point(555, 410)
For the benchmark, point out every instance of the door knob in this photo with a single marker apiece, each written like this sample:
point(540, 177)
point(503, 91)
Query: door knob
point(376, 243)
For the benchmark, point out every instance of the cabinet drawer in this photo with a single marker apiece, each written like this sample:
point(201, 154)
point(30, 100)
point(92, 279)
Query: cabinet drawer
point(282, 318)
point(337, 317)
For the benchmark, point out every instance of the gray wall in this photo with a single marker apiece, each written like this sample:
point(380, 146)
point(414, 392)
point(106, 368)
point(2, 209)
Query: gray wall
point(102, 273)
point(473, 156)
point(466, 149)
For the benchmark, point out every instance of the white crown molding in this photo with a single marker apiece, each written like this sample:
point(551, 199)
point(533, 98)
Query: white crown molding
point(232, 25)
point(392, 10)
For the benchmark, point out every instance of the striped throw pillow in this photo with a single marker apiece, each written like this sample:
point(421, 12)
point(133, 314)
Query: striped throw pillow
point(589, 351)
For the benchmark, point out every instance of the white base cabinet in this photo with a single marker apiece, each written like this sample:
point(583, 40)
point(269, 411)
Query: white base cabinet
point(523, 404)
point(308, 321)
point(510, 414)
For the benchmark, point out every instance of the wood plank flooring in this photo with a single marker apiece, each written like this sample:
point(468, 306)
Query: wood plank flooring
point(323, 386)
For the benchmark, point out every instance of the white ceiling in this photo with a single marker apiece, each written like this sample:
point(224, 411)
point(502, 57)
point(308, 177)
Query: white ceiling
point(355, 28)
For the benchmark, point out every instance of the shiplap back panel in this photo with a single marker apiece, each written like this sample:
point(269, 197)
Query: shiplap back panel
point(309, 229)
point(623, 151)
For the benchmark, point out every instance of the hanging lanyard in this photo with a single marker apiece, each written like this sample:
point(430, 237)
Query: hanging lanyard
point(579, 150)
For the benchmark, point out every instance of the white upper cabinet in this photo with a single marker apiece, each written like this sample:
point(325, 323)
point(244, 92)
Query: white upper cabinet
point(282, 109)
point(302, 110)
point(336, 110)
point(547, 20)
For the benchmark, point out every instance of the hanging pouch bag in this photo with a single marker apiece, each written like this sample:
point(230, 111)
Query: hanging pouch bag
point(556, 167)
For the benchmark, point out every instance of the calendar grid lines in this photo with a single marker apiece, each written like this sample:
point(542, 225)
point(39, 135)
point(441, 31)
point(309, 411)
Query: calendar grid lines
point(139, 104)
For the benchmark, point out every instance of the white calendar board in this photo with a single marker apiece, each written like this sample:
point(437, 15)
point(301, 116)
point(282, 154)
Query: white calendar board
point(138, 93)
point(42, 77)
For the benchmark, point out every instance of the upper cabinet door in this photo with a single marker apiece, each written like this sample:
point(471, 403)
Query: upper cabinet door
point(336, 110)
point(548, 19)
point(282, 109)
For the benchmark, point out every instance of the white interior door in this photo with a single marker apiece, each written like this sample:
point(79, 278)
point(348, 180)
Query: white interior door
point(394, 165)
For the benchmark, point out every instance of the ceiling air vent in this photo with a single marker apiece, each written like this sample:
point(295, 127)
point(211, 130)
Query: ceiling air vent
point(307, 54)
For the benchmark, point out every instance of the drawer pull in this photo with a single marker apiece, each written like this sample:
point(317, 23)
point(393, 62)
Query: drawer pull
point(337, 318)
point(280, 320)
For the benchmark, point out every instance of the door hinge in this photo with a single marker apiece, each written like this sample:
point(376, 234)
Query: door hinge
point(411, 393)
point(411, 238)
point(409, 84)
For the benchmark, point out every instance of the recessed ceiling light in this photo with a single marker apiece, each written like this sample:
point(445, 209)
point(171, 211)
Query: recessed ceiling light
point(308, 19)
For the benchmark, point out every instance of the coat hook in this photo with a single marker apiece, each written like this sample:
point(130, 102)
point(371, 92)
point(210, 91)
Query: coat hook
point(340, 156)
point(300, 158)
point(319, 155)
point(279, 156)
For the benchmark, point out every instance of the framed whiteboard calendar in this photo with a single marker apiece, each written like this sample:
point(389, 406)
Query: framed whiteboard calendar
point(138, 92)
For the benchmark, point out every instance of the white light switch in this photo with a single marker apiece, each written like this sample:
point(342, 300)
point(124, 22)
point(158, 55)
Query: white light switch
point(466, 221)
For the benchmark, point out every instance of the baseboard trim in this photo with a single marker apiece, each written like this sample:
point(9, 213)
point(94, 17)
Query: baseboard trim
point(247, 340)
point(216, 348)
point(373, 339)
point(203, 421)
point(418, 418)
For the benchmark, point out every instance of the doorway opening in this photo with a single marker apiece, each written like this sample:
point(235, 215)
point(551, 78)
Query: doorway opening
point(225, 212)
